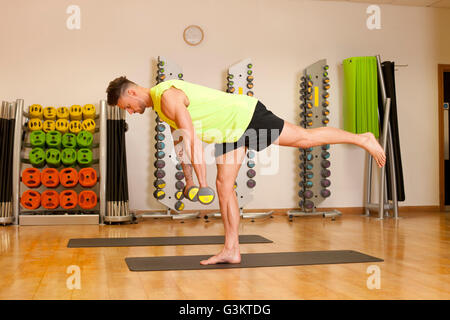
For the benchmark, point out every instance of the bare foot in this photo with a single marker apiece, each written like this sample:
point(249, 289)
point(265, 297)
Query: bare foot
point(225, 256)
point(372, 146)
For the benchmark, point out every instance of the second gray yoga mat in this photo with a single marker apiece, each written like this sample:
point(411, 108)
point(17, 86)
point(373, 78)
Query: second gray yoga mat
point(250, 260)
point(159, 241)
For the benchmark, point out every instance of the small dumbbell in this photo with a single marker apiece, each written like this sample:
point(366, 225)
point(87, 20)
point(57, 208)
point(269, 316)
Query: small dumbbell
point(206, 195)
point(192, 193)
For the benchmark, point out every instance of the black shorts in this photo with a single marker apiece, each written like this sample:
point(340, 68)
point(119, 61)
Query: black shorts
point(264, 128)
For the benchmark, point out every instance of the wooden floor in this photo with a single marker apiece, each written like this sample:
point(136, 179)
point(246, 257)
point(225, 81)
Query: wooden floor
point(416, 250)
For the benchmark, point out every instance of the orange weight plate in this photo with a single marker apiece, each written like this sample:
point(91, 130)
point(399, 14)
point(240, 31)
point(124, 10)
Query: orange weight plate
point(68, 199)
point(31, 199)
point(87, 199)
point(68, 177)
point(31, 177)
point(87, 177)
point(50, 177)
point(50, 199)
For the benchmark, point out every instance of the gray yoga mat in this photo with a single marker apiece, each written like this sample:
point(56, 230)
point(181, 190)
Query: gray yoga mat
point(250, 260)
point(159, 241)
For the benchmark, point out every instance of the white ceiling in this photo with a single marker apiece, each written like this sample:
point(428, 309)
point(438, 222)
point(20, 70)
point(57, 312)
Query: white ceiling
point(416, 3)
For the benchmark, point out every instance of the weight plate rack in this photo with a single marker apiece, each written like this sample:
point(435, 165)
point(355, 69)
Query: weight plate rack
point(53, 188)
point(314, 162)
point(240, 81)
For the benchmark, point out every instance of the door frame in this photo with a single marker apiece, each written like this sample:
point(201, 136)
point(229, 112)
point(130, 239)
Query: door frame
point(441, 69)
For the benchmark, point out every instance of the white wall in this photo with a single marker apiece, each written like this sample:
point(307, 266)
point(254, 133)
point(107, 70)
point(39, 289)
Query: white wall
point(43, 62)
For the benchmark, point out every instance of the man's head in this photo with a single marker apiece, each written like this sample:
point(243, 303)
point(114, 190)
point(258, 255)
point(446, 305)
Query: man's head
point(128, 95)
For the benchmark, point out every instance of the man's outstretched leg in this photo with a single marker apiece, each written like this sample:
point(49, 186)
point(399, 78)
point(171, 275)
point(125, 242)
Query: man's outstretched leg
point(228, 166)
point(296, 136)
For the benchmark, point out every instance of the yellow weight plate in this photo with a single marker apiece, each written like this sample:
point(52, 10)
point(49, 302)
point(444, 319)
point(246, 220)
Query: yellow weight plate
point(49, 113)
point(35, 111)
point(88, 111)
point(75, 112)
point(62, 113)
point(88, 125)
point(35, 124)
point(49, 125)
point(62, 125)
point(75, 126)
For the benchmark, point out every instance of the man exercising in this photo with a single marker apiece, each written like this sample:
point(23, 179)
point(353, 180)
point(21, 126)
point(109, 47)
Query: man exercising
point(234, 123)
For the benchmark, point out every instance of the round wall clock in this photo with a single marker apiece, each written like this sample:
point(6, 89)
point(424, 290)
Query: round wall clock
point(193, 35)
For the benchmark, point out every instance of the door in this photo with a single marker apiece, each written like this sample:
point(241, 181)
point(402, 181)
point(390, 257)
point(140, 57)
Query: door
point(444, 137)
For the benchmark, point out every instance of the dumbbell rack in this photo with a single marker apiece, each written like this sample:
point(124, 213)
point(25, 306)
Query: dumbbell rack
point(240, 81)
point(165, 153)
point(314, 163)
point(43, 216)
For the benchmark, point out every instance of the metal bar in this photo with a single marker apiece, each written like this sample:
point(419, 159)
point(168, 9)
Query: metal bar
point(102, 160)
point(383, 169)
point(390, 152)
point(392, 172)
point(16, 158)
point(386, 118)
point(368, 185)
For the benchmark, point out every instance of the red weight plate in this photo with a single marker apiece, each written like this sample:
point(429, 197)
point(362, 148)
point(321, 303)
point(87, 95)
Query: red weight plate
point(87, 177)
point(31, 199)
point(87, 199)
point(31, 177)
point(68, 199)
point(50, 199)
point(50, 177)
point(68, 177)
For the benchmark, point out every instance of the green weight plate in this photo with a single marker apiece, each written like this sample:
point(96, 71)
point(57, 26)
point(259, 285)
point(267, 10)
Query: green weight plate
point(69, 140)
point(37, 139)
point(37, 157)
point(53, 139)
point(84, 157)
point(53, 157)
point(68, 156)
point(85, 139)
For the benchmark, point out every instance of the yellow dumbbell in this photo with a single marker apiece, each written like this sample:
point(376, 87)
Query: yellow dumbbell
point(75, 127)
point(49, 125)
point(88, 125)
point(49, 113)
point(62, 125)
point(75, 112)
point(179, 206)
point(62, 113)
point(35, 124)
point(35, 111)
point(88, 111)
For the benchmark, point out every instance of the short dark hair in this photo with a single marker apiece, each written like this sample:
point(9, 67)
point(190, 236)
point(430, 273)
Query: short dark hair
point(116, 88)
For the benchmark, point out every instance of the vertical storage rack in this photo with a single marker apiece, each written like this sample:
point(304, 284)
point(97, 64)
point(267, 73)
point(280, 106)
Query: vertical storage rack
point(81, 199)
point(314, 162)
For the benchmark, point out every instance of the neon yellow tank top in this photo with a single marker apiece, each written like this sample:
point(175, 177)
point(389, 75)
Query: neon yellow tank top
point(217, 116)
